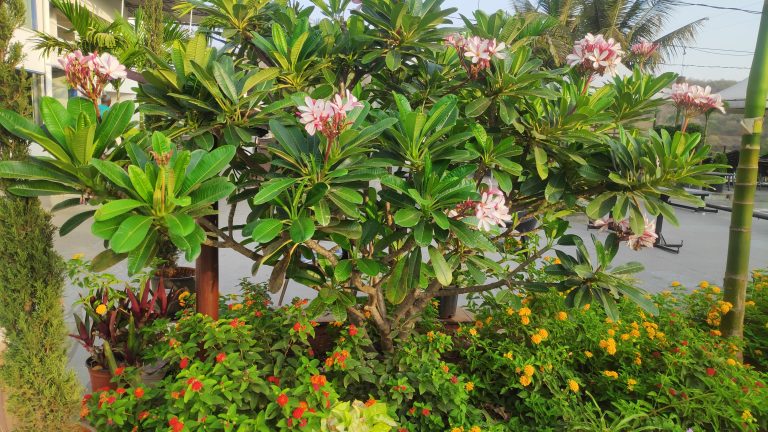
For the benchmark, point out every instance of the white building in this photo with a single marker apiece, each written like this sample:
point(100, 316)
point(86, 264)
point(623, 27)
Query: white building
point(48, 78)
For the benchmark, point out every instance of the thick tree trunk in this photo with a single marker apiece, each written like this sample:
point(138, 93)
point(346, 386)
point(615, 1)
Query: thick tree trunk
point(207, 277)
point(737, 267)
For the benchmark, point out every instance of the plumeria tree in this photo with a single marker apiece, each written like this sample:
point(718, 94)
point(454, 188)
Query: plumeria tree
point(386, 157)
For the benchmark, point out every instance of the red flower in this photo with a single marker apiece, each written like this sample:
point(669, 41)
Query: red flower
point(298, 327)
point(257, 314)
point(317, 381)
point(298, 413)
point(675, 350)
point(425, 412)
point(184, 363)
point(352, 330)
point(454, 379)
point(274, 380)
point(235, 323)
point(656, 354)
point(711, 371)
point(111, 400)
point(87, 397)
point(119, 371)
point(143, 415)
point(221, 357)
point(412, 411)
point(195, 384)
point(673, 392)
point(303, 422)
point(120, 390)
point(684, 343)
point(282, 399)
point(175, 424)
point(139, 393)
point(759, 384)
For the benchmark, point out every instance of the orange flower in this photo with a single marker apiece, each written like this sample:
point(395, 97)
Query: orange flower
point(370, 402)
point(282, 400)
point(139, 393)
point(317, 381)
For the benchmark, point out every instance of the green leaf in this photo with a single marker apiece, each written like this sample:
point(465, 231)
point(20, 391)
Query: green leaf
point(265, 230)
point(271, 189)
point(394, 289)
point(180, 224)
point(443, 271)
point(477, 106)
point(208, 166)
point(368, 266)
point(75, 221)
point(628, 268)
point(302, 229)
point(113, 172)
point(342, 270)
point(541, 162)
point(116, 208)
point(36, 188)
point(470, 237)
point(141, 256)
point(113, 125)
point(140, 183)
point(55, 118)
point(22, 127)
point(106, 229)
point(106, 259)
point(407, 217)
point(130, 234)
point(422, 233)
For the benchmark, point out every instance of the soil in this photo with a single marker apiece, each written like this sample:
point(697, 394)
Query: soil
point(176, 272)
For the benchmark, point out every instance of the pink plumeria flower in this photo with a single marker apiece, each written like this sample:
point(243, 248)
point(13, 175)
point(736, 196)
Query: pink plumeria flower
point(694, 100)
point(495, 50)
point(343, 105)
point(110, 67)
point(645, 239)
point(477, 50)
point(596, 54)
point(314, 114)
point(492, 210)
point(644, 49)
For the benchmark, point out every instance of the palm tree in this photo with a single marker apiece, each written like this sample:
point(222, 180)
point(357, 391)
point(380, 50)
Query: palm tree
point(627, 21)
point(92, 33)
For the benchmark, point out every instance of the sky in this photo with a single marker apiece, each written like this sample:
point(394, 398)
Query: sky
point(723, 46)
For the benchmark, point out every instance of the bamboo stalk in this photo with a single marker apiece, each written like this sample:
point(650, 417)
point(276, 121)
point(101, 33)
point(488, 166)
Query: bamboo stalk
point(737, 264)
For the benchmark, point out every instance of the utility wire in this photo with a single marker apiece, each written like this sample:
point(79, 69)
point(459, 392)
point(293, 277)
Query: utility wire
point(684, 3)
point(705, 66)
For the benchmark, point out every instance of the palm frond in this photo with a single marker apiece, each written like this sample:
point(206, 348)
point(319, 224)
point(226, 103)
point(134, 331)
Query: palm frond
point(49, 44)
point(673, 42)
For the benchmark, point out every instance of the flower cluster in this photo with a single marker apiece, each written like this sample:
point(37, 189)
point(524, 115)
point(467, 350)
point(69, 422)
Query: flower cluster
point(644, 49)
point(595, 54)
point(90, 73)
point(491, 210)
point(635, 241)
point(329, 117)
point(693, 100)
point(477, 51)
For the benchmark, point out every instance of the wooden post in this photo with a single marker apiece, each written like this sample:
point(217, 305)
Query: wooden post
point(207, 277)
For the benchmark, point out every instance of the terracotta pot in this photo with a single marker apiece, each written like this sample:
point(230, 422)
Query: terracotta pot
point(100, 378)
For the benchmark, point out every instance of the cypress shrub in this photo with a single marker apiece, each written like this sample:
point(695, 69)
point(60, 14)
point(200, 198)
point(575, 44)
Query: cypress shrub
point(42, 392)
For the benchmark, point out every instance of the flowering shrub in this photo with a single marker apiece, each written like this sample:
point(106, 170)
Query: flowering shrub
point(90, 73)
point(526, 363)
point(596, 55)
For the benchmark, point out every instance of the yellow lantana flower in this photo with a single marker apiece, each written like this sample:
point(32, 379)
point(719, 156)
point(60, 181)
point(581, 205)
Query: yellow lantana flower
point(573, 386)
point(675, 284)
point(536, 339)
point(611, 374)
point(78, 256)
point(101, 309)
point(508, 355)
point(525, 320)
point(469, 386)
point(525, 380)
point(588, 354)
point(562, 316)
point(704, 284)
point(529, 370)
point(524, 312)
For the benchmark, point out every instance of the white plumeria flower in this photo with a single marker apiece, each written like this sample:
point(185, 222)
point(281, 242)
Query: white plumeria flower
point(477, 50)
point(597, 54)
point(109, 66)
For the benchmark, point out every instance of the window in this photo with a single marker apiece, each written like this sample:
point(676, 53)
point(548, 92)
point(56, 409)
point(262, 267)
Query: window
point(30, 7)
